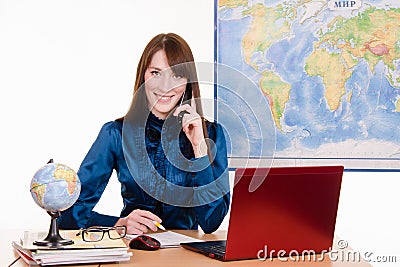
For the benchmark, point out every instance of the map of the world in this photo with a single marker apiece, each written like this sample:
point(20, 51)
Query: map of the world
point(329, 72)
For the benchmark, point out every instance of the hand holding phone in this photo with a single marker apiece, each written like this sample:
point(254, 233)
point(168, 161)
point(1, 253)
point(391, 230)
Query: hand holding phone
point(180, 116)
point(183, 112)
point(192, 126)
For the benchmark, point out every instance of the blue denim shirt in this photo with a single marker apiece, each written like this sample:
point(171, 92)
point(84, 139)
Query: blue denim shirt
point(106, 155)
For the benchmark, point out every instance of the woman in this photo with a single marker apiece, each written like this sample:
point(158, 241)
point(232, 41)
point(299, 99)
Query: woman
point(181, 186)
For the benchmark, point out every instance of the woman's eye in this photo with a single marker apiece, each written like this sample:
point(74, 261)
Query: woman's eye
point(176, 76)
point(155, 73)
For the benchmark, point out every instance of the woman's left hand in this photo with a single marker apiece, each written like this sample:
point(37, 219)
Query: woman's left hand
point(193, 128)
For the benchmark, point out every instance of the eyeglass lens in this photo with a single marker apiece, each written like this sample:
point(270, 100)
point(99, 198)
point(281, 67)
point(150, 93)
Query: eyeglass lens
point(93, 235)
point(120, 232)
point(97, 234)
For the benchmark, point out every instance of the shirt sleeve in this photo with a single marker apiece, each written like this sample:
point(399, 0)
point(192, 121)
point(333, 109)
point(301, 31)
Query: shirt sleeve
point(213, 183)
point(94, 174)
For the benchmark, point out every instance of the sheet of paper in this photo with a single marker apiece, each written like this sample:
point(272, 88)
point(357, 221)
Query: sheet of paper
point(169, 239)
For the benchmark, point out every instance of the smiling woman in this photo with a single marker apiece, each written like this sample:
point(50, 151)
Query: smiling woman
point(163, 87)
point(171, 171)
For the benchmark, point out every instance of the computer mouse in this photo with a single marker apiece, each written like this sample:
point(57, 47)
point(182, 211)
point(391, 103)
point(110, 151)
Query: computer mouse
point(144, 242)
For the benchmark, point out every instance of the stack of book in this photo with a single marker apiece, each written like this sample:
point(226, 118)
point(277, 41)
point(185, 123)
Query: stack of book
point(106, 250)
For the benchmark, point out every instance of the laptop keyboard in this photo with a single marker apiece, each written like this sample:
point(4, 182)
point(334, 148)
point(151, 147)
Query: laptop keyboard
point(215, 249)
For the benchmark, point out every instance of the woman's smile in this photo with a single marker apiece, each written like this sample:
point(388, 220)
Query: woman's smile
point(164, 98)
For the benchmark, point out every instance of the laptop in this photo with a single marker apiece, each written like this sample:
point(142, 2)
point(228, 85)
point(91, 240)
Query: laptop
point(293, 209)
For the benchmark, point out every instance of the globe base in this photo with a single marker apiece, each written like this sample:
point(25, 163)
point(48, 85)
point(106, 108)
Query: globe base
point(53, 238)
point(56, 242)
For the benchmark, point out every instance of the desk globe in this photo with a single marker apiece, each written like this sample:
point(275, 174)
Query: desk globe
point(55, 187)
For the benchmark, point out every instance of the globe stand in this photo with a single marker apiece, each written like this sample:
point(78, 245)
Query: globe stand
point(53, 238)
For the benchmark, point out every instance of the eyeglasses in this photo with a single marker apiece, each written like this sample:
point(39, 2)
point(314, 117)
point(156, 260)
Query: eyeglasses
point(96, 233)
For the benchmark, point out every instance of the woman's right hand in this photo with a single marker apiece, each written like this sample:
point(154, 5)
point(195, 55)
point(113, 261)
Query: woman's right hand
point(138, 222)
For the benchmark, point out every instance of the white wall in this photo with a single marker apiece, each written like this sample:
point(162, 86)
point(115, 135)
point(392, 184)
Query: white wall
point(368, 216)
point(66, 67)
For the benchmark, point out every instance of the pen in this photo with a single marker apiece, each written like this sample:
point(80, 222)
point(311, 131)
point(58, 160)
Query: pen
point(159, 225)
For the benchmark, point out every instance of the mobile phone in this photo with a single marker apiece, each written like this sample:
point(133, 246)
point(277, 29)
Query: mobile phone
point(183, 112)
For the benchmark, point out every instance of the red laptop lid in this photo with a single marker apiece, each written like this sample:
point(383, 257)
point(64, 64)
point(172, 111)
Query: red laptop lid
point(294, 208)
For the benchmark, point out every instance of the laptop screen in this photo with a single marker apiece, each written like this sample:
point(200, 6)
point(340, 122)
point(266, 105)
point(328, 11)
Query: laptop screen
point(283, 209)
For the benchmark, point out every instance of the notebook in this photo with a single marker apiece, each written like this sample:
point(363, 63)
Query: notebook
point(293, 209)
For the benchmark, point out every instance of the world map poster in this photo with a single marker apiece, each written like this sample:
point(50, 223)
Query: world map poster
point(324, 80)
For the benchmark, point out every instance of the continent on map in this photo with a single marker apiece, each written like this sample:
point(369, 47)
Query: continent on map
point(39, 190)
point(333, 72)
point(372, 35)
point(277, 93)
point(66, 174)
point(263, 32)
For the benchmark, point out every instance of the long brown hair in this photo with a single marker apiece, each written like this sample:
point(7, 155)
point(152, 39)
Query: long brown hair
point(178, 53)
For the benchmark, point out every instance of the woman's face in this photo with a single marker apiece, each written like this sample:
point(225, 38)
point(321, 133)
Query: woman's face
point(163, 88)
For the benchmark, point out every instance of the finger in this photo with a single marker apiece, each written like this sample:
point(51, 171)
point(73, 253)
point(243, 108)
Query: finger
point(150, 215)
point(185, 127)
point(134, 226)
point(179, 109)
point(147, 219)
point(191, 120)
point(141, 227)
point(147, 224)
point(143, 220)
point(137, 228)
